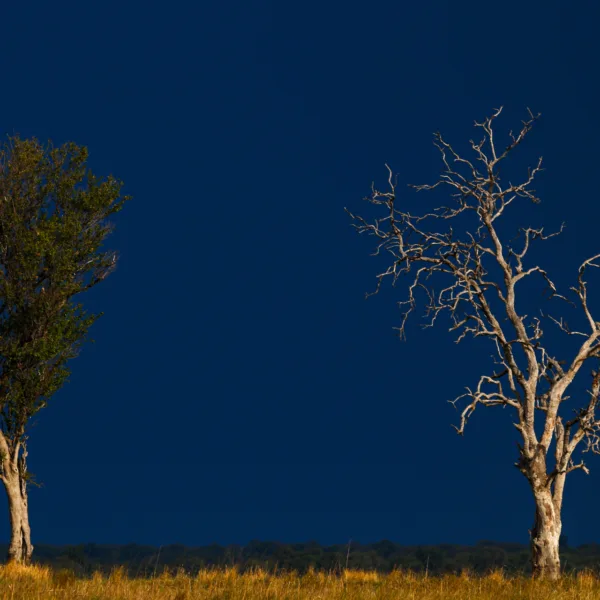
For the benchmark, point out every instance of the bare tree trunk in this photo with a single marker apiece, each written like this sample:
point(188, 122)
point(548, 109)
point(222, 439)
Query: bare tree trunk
point(545, 534)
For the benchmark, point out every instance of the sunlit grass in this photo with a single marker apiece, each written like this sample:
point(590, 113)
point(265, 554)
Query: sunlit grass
point(41, 583)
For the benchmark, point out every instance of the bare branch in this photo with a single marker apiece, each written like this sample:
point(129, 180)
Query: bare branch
point(455, 260)
point(496, 397)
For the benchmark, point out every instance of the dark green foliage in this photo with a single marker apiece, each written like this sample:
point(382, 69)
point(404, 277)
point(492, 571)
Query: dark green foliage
point(382, 556)
point(53, 213)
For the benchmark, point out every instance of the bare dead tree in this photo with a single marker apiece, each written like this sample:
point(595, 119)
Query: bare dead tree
point(478, 272)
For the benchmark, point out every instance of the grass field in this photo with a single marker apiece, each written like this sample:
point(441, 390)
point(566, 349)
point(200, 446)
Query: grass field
point(37, 583)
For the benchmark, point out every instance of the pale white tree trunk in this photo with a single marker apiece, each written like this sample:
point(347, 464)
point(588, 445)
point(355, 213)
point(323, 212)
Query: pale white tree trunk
point(545, 536)
point(13, 474)
point(20, 548)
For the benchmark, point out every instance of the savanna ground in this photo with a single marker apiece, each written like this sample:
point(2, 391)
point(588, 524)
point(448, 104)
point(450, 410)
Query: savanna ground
point(37, 583)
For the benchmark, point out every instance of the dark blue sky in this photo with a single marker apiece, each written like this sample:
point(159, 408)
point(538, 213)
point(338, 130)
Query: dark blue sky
point(240, 386)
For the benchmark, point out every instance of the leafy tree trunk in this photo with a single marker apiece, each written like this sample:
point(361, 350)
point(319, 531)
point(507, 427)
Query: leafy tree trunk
point(545, 534)
point(20, 548)
point(15, 483)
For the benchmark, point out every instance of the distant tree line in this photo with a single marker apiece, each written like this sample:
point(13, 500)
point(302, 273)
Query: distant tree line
point(383, 556)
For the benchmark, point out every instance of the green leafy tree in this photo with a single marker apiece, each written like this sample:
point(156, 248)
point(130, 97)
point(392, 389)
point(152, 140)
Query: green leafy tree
point(53, 213)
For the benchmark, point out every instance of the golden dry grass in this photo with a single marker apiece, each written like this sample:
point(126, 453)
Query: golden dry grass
point(41, 583)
